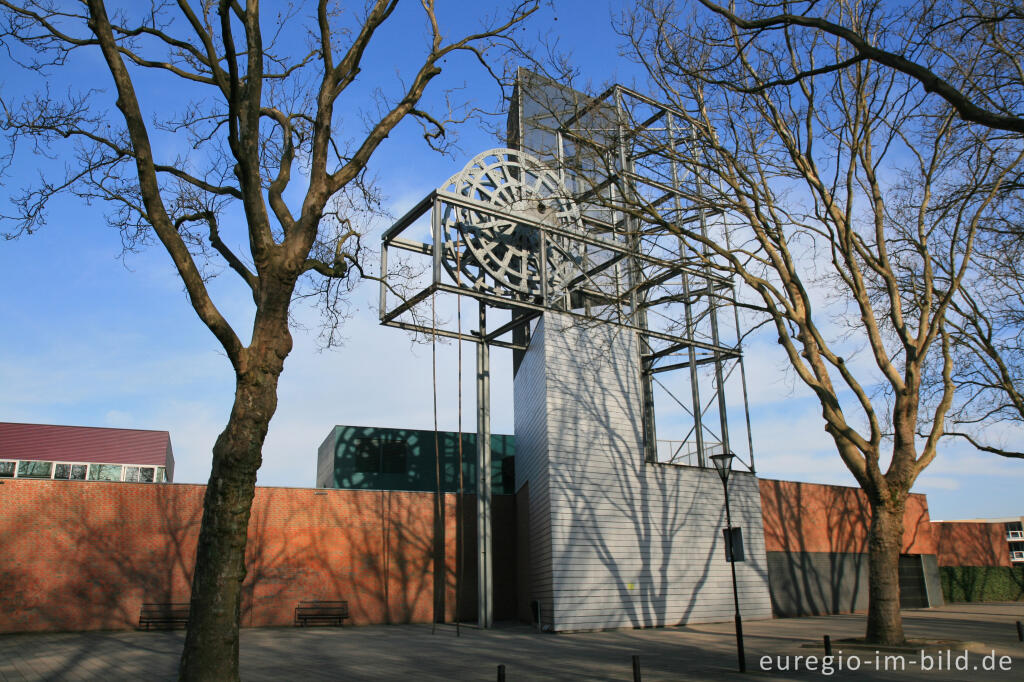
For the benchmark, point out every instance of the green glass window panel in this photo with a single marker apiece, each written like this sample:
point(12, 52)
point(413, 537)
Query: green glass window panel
point(105, 472)
point(7, 469)
point(78, 472)
point(33, 469)
point(62, 471)
point(160, 474)
point(146, 474)
point(131, 474)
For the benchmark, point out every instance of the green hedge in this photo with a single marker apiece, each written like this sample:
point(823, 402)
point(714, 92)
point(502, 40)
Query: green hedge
point(982, 583)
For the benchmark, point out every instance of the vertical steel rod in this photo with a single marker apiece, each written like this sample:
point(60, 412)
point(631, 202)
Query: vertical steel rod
point(438, 242)
point(698, 427)
point(485, 609)
point(743, 369)
point(383, 303)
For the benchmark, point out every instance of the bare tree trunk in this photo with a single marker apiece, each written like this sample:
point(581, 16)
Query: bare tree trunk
point(885, 539)
point(211, 644)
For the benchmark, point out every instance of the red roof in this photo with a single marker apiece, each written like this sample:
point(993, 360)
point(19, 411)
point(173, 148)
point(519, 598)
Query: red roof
point(85, 444)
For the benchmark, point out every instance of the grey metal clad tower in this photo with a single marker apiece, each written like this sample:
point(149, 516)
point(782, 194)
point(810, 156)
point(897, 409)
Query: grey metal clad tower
point(622, 332)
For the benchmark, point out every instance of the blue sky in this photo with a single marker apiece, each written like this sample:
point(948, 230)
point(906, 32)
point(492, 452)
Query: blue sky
point(91, 338)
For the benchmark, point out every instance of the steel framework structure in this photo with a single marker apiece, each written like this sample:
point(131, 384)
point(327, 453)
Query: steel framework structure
point(580, 216)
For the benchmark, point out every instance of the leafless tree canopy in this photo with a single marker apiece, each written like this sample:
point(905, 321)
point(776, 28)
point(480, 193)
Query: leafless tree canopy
point(853, 203)
point(215, 126)
point(257, 130)
point(968, 53)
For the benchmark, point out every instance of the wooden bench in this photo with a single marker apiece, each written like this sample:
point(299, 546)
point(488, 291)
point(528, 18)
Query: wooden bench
point(167, 614)
point(321, 612)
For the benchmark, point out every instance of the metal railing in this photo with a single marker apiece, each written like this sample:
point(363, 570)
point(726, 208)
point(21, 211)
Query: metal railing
point(1016, 556)
point(1015, 535)
point(685, 452)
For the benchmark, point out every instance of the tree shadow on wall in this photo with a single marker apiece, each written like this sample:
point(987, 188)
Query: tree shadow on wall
point(85, 556)
point(976, 558)
point(827, 574)
point(655, 550)
point(373, 549)
point(821, 564)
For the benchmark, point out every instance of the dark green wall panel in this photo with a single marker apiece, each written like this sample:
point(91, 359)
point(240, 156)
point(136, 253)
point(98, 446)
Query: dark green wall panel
point(369, 458)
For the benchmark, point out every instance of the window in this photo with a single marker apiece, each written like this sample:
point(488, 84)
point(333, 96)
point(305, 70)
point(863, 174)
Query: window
point(73, 472)
point(146, 474)
point(7, 469)
point(393, 458)
point(160, 474)
point(131, 474)
point(32, 469)
point(367, 455)
point(105, 472)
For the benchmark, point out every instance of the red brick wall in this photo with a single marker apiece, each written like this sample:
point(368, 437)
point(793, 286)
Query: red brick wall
point(808, 517)
point(85, 555)
point(971, 544)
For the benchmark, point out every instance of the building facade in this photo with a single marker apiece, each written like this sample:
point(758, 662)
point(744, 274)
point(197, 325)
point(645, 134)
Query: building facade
point(1003, 543)
point(374, 458)
point(85, 453)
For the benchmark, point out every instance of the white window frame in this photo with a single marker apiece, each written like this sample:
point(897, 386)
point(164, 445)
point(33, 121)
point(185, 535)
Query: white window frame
point(88, 469)
point(53, 473)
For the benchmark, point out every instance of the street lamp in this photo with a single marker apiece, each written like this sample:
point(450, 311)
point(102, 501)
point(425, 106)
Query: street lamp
point(723, 465)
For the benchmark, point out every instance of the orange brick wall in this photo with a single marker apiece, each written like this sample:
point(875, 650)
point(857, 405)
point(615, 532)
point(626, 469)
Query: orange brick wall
point(808, 517)
point(85, 555)
point(971, 544)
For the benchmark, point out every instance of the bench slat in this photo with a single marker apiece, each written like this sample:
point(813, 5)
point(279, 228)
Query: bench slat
point(168, 613)
point(329, 612)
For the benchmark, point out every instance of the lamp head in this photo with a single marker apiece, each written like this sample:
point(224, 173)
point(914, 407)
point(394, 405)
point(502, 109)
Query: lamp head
point(723, 464)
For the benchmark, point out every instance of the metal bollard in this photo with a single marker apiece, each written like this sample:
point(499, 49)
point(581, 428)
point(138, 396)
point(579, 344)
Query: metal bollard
point(1020, 631)
point(501, 673)
point(636, 668)
point(828, 645)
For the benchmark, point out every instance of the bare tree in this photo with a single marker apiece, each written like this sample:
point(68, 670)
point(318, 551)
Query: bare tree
point(818, 184)
point(988, 329)
point(265, 148)
point(939, 44)
point(970, 53)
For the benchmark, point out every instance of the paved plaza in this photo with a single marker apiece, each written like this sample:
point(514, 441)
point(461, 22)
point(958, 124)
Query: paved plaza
point(413, 652)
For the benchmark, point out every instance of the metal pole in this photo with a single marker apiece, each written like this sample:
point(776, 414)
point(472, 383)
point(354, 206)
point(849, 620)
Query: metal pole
point(713, 313)
point(698, 427)
point(735, 591)
point(485, 611)
point(743, 370)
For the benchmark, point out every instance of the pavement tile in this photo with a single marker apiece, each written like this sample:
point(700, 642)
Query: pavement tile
point(414, 652)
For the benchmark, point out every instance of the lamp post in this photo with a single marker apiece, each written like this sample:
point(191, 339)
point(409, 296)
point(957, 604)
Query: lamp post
point(723, 465)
